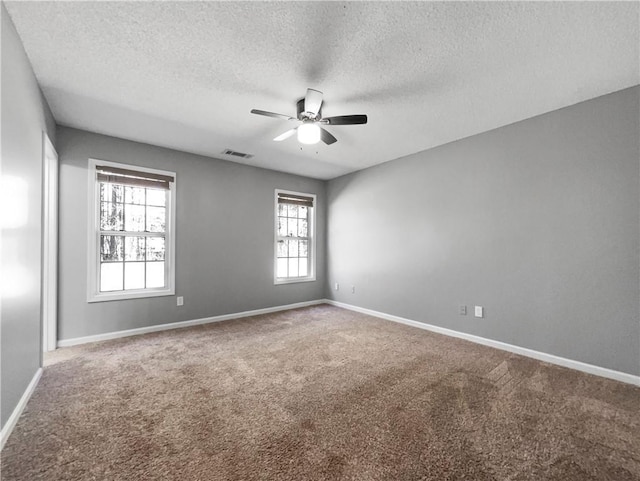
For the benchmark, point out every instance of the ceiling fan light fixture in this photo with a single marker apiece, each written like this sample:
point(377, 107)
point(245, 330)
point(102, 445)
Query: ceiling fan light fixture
point(308, 133)
point(309, 116)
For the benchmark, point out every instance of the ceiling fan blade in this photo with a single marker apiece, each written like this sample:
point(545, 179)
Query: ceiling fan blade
point(346, 120)
point(286, 135)
point(313, 101)
point(272, 114)
point(326, 137)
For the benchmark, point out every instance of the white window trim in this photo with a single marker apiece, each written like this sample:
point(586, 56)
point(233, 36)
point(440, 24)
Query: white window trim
point(312, 250)
point(93, 240)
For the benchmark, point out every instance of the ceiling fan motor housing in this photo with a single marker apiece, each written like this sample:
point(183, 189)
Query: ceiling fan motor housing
point(302, 115)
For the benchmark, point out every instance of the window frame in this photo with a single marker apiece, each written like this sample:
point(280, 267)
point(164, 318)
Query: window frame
point(311, 229)
point(94, 232)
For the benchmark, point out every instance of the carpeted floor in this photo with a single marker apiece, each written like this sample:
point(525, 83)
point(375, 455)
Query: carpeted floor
point(318, 393)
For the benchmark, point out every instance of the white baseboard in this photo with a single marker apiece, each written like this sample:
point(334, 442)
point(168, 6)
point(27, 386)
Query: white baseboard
point(15, 415)
point(541, 356)
point(176, 325)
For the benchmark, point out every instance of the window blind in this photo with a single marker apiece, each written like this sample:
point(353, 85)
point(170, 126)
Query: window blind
point(295, 199)
point(133, 177)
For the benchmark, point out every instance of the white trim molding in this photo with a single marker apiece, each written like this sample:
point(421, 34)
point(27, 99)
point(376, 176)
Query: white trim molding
point(177, 325)
point(523, 351)
point(49, 244)
point(15, 415)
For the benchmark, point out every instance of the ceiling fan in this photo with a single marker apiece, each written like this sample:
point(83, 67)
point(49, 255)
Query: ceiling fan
point(309, 112)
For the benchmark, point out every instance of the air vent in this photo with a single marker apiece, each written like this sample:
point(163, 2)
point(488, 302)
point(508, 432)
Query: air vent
point(237, 154)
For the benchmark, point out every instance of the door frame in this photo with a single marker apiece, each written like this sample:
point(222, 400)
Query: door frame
point(49, 245)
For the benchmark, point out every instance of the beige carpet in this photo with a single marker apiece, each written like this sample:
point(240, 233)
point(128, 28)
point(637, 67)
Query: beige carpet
point(318, 393)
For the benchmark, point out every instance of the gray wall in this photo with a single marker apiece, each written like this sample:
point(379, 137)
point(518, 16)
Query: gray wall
point(224, 237)
point(25, 115)
point(537, 221)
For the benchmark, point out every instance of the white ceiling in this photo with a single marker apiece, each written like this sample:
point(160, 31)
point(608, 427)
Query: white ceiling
point(185, 75)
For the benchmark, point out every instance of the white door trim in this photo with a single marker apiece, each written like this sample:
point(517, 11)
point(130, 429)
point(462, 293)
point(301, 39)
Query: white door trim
point(49, 245)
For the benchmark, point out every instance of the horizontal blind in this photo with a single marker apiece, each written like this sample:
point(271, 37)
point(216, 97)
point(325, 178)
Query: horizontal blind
point(294, 199)
point(133, 178)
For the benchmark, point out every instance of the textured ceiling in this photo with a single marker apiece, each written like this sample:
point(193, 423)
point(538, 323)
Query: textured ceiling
point(185, 75)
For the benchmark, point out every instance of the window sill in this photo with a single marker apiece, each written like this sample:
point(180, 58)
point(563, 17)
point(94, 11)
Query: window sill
point(121, 296)
point(294, 280)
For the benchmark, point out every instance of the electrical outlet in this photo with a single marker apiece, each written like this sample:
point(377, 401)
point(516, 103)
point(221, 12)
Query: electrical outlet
point(479, 311)
point(337, 286)
point(180, 301)
point(353, 289)
point(462, 310)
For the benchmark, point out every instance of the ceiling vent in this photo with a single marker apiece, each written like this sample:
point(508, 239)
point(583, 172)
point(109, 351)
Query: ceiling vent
point(237, 154)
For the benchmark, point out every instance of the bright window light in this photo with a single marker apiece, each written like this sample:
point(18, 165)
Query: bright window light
point(13, 202)
point(15, 280)
point(132, 241)
point(294, 253)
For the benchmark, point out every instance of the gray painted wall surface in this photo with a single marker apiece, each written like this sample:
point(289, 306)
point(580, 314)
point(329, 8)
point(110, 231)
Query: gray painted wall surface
point(537, 221)
point(25, 115)
point(224, 237)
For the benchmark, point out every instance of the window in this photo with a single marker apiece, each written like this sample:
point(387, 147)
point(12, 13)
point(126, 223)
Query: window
point(294, 252)
point(131, 237)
